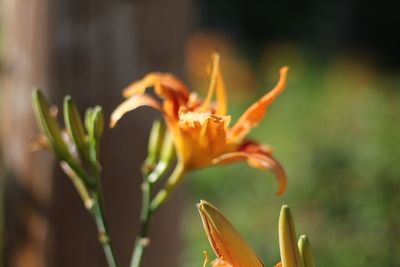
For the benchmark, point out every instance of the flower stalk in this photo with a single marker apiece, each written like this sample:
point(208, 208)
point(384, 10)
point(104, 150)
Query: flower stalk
point(97, 211)
point(150, 206)
point(145, 216)
point(172, 182)
point(86, 182)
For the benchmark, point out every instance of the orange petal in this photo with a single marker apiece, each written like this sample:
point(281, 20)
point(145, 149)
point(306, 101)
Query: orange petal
point(221, 95)
point(257, 160)
point(216, 83)
point(166, 86)
point(278, 264)
point(132, 103)
point(203, 135)
point(220, 263)
point(213, 132)
point(252, 147)
point(255, 113)
point(167, 81)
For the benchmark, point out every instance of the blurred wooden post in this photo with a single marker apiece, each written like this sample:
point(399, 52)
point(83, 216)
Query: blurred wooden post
point(90, 50)
point(24, 64)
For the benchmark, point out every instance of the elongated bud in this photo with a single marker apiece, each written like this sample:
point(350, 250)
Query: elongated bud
point(88, 119)
point(154, 147)
point(226, 241)
point(94, 122)
point(167, 156)
point(73, 123)
point(49, 125)
point(290, 255)
point(305, 251)
point(98, 122)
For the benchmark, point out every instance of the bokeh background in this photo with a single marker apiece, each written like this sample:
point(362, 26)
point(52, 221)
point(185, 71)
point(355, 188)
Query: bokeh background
point(335, 129)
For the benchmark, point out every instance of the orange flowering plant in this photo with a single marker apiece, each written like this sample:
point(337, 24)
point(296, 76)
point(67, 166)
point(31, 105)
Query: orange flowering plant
point(198, 132)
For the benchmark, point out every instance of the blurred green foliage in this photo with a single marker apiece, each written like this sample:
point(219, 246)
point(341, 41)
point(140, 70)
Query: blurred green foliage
point(336, 131)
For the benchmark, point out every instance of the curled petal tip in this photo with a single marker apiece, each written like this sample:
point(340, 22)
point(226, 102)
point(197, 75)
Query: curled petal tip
point(112, 124)
point(282, 185)
point(284, 69)
point(115, 117)
point(255, 113)
point(215, 54)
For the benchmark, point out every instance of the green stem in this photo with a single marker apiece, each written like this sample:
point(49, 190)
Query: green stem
point(142, 239)
point(80, 173)
point(170, 185)
point(93, 201)
point(149, 208)
point(104, 238)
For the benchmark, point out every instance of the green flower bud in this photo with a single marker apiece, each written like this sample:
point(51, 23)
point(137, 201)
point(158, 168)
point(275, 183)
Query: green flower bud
point(167, 156)
point(73, 123)
point(290, 255)
point(155, 142)
point(49, 125)
point(305, 251)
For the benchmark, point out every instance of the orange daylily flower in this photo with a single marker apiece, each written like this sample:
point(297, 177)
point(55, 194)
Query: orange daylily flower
point(200, 128)
point(228, 244)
